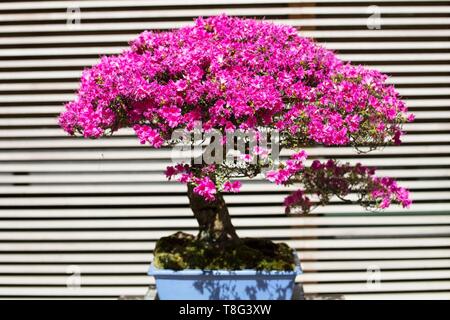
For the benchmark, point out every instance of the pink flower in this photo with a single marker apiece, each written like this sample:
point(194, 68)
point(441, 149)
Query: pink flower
point(353, 122)
point(185, 177)
point(148, 134)
point(300, 156)
point(386, 202)
point(246, 157)
point(229, 127)
point(195, 73)
point(170, 171)
point(206, 188)
point(234, 186)
point(181, 85)
point(172, 115)
point(297, 199)
point(278, 176)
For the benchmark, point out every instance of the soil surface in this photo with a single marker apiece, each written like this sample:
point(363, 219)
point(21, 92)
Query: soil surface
point(183, 251)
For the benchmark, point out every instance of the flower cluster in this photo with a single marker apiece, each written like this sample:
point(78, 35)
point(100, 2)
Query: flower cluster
point(148, 134)
point(205, 186)
point(385, 191)
point(229, 73)
point(358, 184)
point(287, 170)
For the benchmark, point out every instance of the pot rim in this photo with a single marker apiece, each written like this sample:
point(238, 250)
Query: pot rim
point(153, 271)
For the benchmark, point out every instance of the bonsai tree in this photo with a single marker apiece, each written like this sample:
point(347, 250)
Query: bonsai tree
point(227, 74)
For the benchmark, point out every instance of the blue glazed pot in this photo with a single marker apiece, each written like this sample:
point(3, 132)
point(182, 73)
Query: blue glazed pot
point(192, 284)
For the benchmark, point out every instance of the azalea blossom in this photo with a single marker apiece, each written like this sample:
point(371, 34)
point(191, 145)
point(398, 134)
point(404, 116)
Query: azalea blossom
point(234, 186)
point(206, 188)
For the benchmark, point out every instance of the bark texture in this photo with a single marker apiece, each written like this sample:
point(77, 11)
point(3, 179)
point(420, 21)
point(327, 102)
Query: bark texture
point(213, 218)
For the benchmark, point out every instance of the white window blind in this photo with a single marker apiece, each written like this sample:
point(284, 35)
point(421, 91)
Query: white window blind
point(72, 209)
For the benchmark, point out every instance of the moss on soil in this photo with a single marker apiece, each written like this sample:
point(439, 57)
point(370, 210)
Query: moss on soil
point(184, 251)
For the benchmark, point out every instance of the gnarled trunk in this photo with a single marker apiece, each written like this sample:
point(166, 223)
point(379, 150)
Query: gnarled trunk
point(213, 218)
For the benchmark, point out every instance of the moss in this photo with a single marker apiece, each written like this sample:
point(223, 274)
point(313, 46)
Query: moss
point(184, 251)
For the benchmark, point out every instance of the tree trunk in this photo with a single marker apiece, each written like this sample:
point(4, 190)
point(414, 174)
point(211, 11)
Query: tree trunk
point(213, 218)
